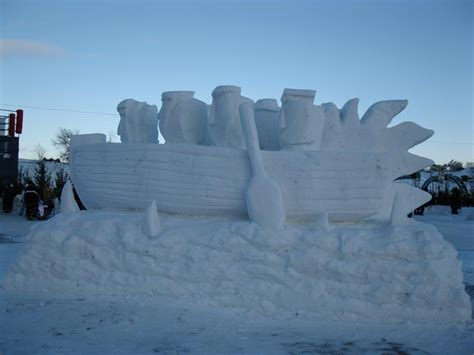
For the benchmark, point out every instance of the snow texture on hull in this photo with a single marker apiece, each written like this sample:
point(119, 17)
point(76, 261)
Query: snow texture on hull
point(199, 180)
point(369, 272)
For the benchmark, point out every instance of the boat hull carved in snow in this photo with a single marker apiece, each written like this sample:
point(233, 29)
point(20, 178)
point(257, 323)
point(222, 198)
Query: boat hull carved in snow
point(202, 180)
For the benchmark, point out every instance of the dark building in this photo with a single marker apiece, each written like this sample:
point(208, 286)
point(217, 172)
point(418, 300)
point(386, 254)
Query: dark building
point(11, 124)
point(8, 159)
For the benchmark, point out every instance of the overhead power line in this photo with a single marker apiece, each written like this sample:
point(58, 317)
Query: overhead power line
point(63, 110)
point(115, 115)
point(446, 142)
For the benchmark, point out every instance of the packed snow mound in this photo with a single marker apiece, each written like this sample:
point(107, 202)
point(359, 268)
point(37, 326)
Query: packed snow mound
point(439, 210)
point(468, 213)
point(365, 271)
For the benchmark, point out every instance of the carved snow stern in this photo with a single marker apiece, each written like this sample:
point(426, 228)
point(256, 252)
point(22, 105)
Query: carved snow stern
point(344, 131)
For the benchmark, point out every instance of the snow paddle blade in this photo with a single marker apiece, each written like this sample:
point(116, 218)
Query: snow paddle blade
point(263, 195)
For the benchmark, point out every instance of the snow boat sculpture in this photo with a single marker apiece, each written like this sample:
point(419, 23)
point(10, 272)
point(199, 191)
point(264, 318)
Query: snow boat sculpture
point(331, 163)
point(321, 162)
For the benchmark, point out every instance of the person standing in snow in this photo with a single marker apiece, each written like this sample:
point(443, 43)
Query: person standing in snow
point(455, 200)
point(8, 196)
point(47, 197)
point(31, 200)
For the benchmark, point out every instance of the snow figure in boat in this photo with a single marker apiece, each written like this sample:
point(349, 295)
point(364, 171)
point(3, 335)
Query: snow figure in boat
point(267, 122)
point(183, 118)
point(224, 126)
point(138, 122)
point(301, 122)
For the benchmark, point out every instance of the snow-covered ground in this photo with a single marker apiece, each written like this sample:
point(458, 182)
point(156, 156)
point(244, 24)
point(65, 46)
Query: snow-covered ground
point(459, 231)
point(50, 324)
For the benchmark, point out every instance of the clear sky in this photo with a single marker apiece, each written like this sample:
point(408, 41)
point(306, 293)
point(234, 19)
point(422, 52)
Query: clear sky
point(89, 55)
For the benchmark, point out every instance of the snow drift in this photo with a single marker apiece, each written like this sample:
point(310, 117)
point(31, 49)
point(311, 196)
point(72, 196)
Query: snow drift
point(365, 271)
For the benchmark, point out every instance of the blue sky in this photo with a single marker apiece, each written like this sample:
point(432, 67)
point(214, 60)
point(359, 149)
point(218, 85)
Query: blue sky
point(89, 55)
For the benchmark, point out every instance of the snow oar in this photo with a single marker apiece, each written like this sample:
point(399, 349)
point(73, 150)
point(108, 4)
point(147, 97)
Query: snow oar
point(263, 195)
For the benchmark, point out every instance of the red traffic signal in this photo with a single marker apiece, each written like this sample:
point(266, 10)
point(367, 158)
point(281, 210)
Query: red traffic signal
point(19, 121)
point(11, 125)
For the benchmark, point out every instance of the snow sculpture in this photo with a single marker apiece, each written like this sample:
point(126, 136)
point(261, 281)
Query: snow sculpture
point(263, 195)
point(183, 119)
point(138, 122)
point(266, 119)
point(68, 202)
point(224, 125)
point(151, 225)
point(331, 167)
point(301, 122)
point(347, 169)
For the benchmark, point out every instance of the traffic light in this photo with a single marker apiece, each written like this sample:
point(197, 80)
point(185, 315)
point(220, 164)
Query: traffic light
point(19, 121)
point(11, 125)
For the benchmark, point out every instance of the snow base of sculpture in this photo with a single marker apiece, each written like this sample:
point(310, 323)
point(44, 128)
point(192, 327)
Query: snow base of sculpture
point(365, 271)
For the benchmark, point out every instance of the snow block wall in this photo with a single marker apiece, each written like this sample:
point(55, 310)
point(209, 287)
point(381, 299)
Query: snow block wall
point(369, 272)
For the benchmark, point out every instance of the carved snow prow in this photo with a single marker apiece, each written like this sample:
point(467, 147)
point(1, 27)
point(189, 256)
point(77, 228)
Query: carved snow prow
point(399, 200)
point(406, 200)
point(350, 114)
point(407, 163)
point(333, 121)
point(380, 114)
point(406, 135)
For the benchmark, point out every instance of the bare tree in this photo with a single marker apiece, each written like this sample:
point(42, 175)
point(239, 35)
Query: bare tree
point(454, 165)
point(60, 179)
point(62, 141)
point(39, 152)
point(22, 176)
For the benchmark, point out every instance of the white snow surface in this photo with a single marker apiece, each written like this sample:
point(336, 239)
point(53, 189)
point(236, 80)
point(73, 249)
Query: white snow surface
point(365, 271)
point(459, 231)
point(51, 324)
point(68, 203)
point(151, 225)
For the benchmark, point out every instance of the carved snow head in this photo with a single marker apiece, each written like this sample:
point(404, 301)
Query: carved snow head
point(138, 122)
point(301, 122)
point(224, 118)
